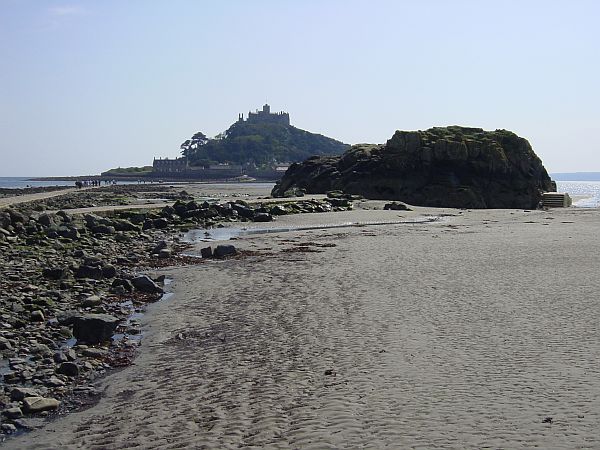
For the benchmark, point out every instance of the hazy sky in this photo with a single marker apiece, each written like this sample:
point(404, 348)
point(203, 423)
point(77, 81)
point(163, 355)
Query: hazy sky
point(90, 85)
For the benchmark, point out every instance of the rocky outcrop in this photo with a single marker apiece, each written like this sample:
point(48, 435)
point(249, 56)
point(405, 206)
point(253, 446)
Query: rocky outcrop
point(441, 167)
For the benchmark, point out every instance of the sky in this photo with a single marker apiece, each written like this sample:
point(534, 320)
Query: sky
point(86, 86)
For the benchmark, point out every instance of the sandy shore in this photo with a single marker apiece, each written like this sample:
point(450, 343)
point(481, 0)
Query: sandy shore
point(468, 332)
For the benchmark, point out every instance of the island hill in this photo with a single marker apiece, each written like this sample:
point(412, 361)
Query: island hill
point(261, 146)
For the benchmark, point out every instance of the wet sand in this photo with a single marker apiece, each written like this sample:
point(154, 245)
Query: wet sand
point(468, 332)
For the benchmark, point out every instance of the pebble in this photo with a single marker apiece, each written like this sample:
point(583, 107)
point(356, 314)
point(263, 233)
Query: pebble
point(8, 428)
point(13, 413)
point(37, 316)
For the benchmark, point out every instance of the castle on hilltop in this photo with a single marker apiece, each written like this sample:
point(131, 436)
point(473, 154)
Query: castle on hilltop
point(265, 116)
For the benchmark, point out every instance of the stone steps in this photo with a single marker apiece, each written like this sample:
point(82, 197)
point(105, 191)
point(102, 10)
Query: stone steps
point(556, 200)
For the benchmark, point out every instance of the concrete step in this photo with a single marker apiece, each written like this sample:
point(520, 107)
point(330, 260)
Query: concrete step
point(556, 200)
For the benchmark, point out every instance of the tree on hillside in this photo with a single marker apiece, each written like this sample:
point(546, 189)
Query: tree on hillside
point(197, 140)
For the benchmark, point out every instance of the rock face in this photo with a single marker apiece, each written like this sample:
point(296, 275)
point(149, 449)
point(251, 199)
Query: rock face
point(441, 167)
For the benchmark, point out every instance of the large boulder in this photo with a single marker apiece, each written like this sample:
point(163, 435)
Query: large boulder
point(144, 283)
point(94, 328)
point(55, 273)
point(5, 220)
point(16, 217)
point(68, 232)
point(94, 272)
point(224, 250)
point(124, 283)
point(46, 220)
point(441, 167)
point(68, 368)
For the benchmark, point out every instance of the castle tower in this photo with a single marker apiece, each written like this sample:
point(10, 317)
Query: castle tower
point(266, 116)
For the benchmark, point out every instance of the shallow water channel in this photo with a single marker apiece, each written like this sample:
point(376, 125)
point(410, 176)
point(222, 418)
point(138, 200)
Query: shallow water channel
point(227, 233)
point(133, 320)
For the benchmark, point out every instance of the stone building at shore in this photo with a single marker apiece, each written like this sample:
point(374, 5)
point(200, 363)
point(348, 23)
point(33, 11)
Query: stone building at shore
point(170, 165)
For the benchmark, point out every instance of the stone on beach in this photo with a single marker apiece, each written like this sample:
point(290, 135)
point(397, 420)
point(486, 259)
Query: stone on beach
point(396, 206)
point(8, 428)
point(160, 223)
point(93, 272)
point(55, 273)
point(103, 229)
point(109, 271)
point(94, 328)
point(19, 393)
point(13, 413)
point(68, 232)
point(144, 283)
point(37, 316)
point(69, 369)
point(164, 253)
point(225, 250)
point(160, 245)
point(92, 300)
point(39, 404)
point(124, 283)
point(94, 352)
point(263, 217)
point(206, 252)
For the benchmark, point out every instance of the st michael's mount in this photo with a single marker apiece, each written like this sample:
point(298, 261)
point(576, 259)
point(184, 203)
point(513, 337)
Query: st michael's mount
point(261, 146)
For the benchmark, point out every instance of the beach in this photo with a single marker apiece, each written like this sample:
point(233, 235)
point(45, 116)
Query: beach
point(474, 330)
point(217, 232)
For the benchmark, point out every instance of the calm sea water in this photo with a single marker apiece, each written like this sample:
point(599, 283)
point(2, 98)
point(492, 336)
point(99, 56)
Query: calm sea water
point(587, 193)
point(23, 182)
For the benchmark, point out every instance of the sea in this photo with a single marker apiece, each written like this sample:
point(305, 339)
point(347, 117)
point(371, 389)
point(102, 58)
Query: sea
point(586, 193)
point(25, 182)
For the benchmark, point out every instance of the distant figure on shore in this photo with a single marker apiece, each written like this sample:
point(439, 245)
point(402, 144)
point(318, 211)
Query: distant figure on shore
point(78, 184)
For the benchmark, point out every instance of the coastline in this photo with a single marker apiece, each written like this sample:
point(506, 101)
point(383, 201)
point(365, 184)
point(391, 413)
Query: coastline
point(459, 333)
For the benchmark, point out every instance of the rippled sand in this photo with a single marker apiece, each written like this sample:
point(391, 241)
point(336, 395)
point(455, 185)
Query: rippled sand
point(464, 333)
